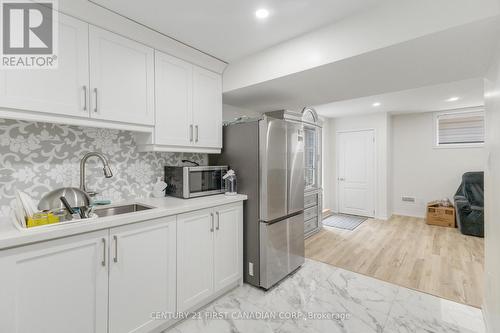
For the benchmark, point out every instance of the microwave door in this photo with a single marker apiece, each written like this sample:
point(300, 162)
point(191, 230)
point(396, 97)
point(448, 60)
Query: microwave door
point(205, 181)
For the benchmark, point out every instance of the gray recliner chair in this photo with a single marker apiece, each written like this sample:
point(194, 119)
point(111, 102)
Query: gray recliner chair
point(469, 204)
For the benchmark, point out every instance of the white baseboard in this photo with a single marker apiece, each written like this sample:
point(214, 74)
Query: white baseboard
point(489, 320)
point(421, 216)
point(485, 318)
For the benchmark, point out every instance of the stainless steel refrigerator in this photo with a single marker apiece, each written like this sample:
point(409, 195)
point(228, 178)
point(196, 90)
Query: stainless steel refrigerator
point(268, 157)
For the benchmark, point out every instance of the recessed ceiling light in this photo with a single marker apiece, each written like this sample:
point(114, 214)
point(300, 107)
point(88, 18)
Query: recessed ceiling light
point(262, 13)
point(376, 104)
point(453, 99)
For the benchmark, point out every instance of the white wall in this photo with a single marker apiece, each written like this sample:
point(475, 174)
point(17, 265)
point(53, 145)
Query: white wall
point(367, 31)
point(230, 112)
point(422, 171)
point(327, 160)
point(378, 122)
point(491, 306)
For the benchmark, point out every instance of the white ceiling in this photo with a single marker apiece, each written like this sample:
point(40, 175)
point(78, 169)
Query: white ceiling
point(228, 29)
point(430, 98)
point(452, 55)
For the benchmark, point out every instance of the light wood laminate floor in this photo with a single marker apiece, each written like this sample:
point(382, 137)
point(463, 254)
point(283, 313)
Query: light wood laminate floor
point(407, 252)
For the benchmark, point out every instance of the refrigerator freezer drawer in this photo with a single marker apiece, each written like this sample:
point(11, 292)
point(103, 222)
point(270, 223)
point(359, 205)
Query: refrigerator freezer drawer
point(273, 253)
point(281, 249)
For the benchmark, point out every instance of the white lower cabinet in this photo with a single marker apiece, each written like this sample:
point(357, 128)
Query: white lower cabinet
point(58, 286)
point(141, 274)
point(209, 253)
point(195, 258)
point(117, 280)
point(228, 246)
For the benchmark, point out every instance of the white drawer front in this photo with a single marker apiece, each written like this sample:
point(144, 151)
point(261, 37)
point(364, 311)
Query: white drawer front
point(311, 212)
point(310, 225)
point(310, 200)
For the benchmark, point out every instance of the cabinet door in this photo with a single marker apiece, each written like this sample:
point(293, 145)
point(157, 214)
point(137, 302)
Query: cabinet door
point(142, 274)
point(195, 235)
point(63, 90)
point(228, 246)
point(56, 286)
point(174, 101)
point(121, 78)
point(207, 108)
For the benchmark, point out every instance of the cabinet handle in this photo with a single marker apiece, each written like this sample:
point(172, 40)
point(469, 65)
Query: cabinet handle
point(190, 133)
point(218, 221)
point(212, 226)
point(84, 98)
point(115, 259)
point(103, 262)
point(95, 105)
point(196, 128)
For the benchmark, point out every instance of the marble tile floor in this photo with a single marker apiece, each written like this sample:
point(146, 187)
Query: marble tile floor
point(323, 298)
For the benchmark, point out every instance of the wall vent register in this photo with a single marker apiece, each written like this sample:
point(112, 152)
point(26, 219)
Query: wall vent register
point(408, 199)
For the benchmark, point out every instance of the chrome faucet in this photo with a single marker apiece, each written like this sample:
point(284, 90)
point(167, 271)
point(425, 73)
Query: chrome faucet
point(106, 169)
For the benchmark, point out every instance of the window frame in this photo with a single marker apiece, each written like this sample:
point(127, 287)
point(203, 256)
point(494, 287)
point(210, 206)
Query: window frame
point(436, 116)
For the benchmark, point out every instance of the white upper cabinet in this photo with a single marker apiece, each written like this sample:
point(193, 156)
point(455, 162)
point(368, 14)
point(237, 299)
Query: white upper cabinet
point(121, 78)
point(62, 91)
point(142, 274)
point(174, 100)
point(106, 80)
point(207, 108)
point(57, 286)
point(188, 106)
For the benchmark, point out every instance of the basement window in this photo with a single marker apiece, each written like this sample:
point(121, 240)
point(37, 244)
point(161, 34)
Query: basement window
point(459, 129)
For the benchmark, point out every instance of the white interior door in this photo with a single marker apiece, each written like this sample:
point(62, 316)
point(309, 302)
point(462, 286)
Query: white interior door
point(356, 172)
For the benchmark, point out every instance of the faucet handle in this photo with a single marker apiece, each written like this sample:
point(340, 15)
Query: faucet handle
point(92, 193)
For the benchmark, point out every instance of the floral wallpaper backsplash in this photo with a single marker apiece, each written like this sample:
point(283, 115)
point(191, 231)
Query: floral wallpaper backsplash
point(38, 157)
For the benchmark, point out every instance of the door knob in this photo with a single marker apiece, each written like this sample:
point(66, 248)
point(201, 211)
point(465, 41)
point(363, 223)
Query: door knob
point(341, 179)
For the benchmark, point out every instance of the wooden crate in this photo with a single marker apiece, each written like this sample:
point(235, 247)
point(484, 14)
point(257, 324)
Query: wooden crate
point(440, 215)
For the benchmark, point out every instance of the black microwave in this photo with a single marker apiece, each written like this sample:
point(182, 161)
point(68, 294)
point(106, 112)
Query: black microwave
point(194, 181)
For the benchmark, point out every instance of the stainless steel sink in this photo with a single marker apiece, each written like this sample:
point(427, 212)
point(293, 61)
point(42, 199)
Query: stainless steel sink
point(117, 210)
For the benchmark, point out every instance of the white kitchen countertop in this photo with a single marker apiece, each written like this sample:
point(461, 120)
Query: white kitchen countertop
point(10, 236)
